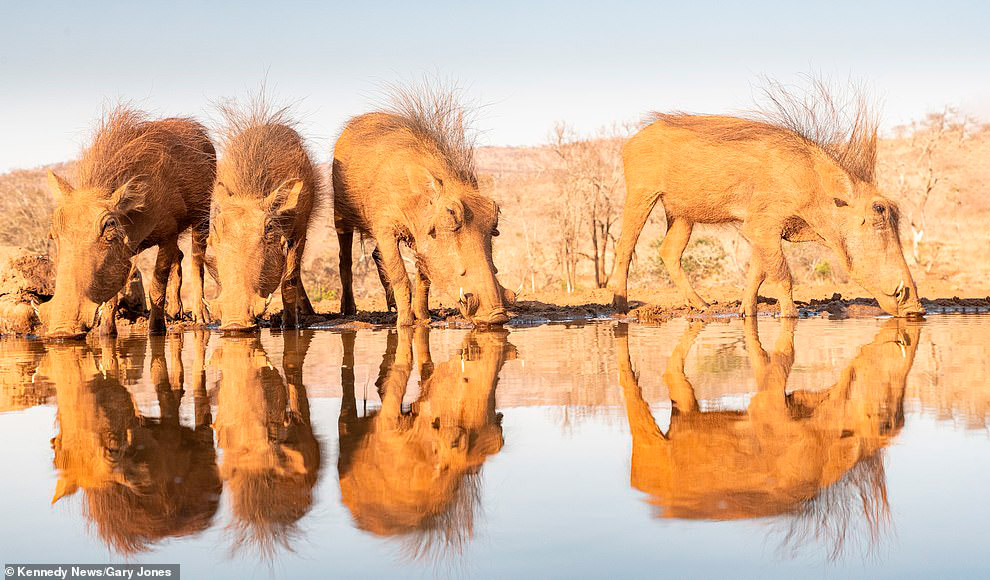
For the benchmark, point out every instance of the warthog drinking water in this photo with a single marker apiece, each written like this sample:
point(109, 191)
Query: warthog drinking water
point(266, 190)
point(408, 176)
point(798, 178)
point(139, 184)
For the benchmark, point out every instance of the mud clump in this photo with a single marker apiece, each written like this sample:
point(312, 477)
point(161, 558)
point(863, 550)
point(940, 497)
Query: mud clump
point(26, 280)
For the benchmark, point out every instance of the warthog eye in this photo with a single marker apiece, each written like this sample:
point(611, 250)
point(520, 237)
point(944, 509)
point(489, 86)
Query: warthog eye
point(270, 229)
point(879, 208)
point(110, 229)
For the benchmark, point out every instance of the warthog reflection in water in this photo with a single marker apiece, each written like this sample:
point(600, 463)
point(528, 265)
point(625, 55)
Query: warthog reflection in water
point(271, 457)
point(813, 455)
point(414, 474)
point(143, 479)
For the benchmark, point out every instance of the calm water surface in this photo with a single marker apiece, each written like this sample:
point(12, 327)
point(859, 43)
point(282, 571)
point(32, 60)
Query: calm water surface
point(817, 448)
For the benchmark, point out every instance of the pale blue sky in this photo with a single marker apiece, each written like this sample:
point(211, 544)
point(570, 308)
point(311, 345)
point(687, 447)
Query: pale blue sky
point(530, 63)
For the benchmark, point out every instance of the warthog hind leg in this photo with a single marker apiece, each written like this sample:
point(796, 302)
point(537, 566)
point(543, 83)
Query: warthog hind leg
point(346, 242)
point(639, 204)
point(167, 252)
point(671, 249)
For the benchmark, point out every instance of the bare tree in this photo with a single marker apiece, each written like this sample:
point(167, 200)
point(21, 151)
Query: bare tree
point(589, 177)
point(918, 182)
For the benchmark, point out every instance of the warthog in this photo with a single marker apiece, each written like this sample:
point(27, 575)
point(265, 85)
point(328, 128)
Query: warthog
point(271, 457)
point(267, 188)
point(144, 479)
point(415, 474)
point(139, 184)
point(407, 175)
point(782, 454)
point(796, 178)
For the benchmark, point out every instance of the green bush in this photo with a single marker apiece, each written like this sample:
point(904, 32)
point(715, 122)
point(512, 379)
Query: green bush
point(822, 270)
point(703, 258)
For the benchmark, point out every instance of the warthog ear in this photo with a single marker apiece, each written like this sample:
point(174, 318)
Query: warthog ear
point(59, 186)
point(285, 198)
point(127, 198)
point(422, 181)
point(63, 488)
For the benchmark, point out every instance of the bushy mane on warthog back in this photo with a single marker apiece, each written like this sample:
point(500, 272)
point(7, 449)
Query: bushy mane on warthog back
point(435, 117)
point(842, 124)
point(259, 135)
point(127, 145)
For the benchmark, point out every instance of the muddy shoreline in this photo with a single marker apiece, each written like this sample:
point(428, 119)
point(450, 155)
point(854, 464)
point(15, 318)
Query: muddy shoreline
point(535, 313)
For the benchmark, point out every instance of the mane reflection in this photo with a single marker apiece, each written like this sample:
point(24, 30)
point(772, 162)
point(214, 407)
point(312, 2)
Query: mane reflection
point(271, 457)
point(143, 479)
point(414, 474)
point(812, 458)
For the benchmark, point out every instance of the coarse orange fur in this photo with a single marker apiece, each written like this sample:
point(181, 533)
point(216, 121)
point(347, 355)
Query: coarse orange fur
point(266, 192)
point(795, 176)
point(407, 176)
point(139, 184)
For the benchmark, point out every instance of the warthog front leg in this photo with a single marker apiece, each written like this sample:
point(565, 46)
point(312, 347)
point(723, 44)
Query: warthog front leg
point(398, 279)
point(173, 300)
point(767, 261)
point(421, 297)
point(167, 252)
point(292, 286)
point(376, 255)
point(303, 305)
point(200, 313)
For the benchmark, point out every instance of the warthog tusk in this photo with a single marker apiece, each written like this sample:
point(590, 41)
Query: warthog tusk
point(460, 296)
point(268, 302)
point(98, 317)
point(900, 287)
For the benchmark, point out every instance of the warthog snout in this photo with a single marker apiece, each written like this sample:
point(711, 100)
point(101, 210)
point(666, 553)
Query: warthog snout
point(63, 322)
point(240, 317)
point(902, 300)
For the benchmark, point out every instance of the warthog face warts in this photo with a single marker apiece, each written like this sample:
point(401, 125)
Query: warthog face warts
point(456, 252)
point(249, 239)
point(871, 247)
point(93, 253)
